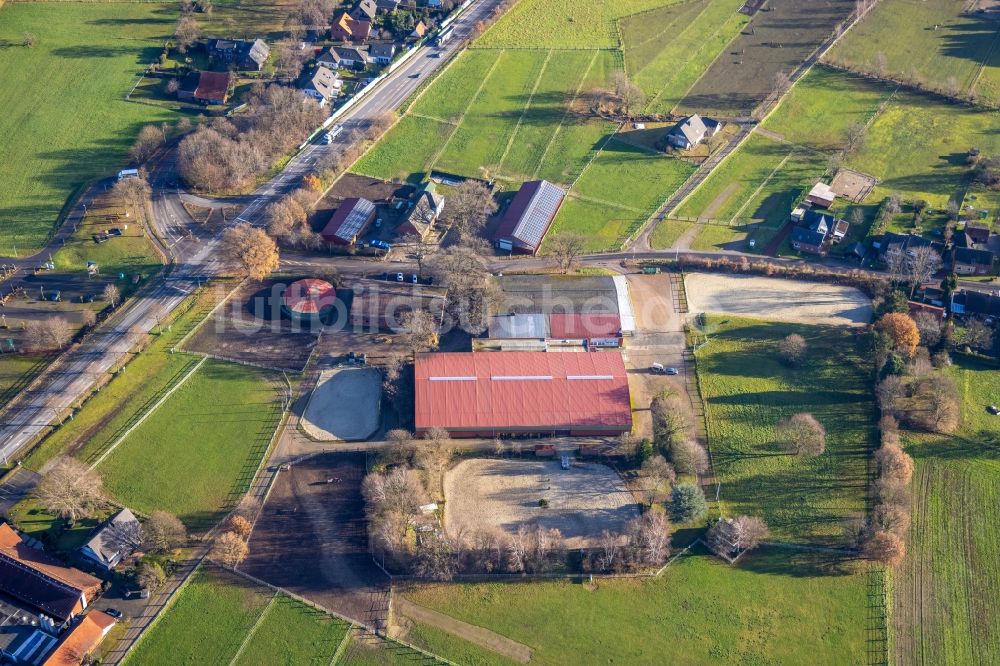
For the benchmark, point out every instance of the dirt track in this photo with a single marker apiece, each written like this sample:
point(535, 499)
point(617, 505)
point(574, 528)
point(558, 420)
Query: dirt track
point(777, 299)
point(344, 405)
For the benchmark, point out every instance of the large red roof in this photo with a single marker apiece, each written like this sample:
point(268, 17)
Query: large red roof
point(522, 392)
point(564, 325)
point(309, 296)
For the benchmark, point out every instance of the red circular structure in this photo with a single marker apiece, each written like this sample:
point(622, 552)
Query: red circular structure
point(308, 298)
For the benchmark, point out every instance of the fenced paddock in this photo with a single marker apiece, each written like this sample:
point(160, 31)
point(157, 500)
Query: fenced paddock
point(582, 501)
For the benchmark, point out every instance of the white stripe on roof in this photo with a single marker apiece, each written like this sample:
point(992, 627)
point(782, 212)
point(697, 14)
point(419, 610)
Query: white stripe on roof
point(505, 378)
point(590, 377)
point(625, 314)
point(451, 379)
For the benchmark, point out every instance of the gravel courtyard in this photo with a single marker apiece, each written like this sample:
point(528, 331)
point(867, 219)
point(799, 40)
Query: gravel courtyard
point(777, 299)
point(344, 405)
point(583, 500)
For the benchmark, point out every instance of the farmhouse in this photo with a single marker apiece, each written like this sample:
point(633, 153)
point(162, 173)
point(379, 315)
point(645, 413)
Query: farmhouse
point(529, 217)
point(473, 394)
point(346, 57)
point(814, 229)
point(691, 131)
point(380, 306)
point(971, 261)
point(248, 56)
point(347, 29)
point(426, 210)
point(323, 86)
point(821, 195)
point(103, 548)
point(351, 219)
point(977, 232)
point(205, 87)
point(81, 640)
point(382, 52)
point(41, 581)
point(308, 299)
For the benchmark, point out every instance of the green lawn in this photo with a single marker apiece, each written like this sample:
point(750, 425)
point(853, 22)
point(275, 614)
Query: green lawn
point(205, 624)
point(566, 24)
point(804, 609)
point(720, 237)
point(65, 120)
point(29, 517)
point(295, 634)
point(946, 592)
point(667, 232)
point(452, 91)
point(747, 390)
point(602, 226)
point(930, 42)
point(406, 151)
point(17, 371)
point(196, 454)
point(668, 49)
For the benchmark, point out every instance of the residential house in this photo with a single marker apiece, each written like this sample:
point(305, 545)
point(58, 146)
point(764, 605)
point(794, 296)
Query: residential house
point(205, 87)
point(975, 304)
point(365, 10)
point(347, 29)
point(691, 131)
point(387, 5)
point(977, 232)
point(426, 210)
point(529, 217)
point(81, 640)
point(891, 243)
point(243, 55)
point(821, 195)
point(104, 548)
point(350, 221)
point(916, 307)
point(344, 57)
point(41, 581)
point(323, 86)
point(419, 30)
point(972, 261)
point(815, 229)
point(382, 52)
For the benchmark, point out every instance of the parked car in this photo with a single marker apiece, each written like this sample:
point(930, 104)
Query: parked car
point(114, 612)
point(335, 131)
point(414, 279)
point(658, 369)
point(671, 371)
point(380, 245)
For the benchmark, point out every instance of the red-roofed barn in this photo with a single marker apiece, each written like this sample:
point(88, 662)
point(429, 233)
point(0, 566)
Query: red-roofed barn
point(350, 220)
point(529, 217)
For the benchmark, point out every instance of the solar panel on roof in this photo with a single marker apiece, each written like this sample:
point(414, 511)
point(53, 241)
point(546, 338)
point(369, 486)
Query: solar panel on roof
point(356, 219)
point(534, 222)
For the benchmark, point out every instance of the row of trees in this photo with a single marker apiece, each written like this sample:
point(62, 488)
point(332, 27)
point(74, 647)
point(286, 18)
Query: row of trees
point(674, 435)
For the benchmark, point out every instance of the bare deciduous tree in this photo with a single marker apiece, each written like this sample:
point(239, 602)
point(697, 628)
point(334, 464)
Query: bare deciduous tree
point(729, 537)
point(436, 558)
point(935, 403)
point(921, 265)
point(628, 93)
point(656, 473)
point(252, 249)
point(70, 490)
point(150, 576)
point(566, 248)
point(978, 335)
point(649, 538)
point(885, 547)
point(149, 140)
point(229, 550)
point(124, 537)
point(186, 33)
point(792, 349)
point(892, 518)
point(888, 394)
point(854, 138)
point(802, 434)
point(162, 532)
point(111, 294)
point(48, 333)
point(468, 208)
point(241, 527)
point(420, 330)
point(472, 292)
point(929, 325)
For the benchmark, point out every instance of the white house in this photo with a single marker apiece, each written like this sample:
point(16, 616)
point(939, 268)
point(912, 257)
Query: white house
point(691, 131)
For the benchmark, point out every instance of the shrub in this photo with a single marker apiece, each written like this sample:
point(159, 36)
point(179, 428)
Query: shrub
point(687, 503)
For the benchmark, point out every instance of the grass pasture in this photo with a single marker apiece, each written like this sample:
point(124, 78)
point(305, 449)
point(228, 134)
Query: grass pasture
point(695, 613)
point(53, 142)
point(747, 390)
point(781, 39)
point(197, 453)
point(935, 43)
point(17, 371)
point(667, 49)
point(946, 591)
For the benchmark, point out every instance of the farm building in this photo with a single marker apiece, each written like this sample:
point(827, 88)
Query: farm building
point(205, 87)
point(426, 209)
point(599, 329)
point(82, 639)
point(308, 299)
point(380, 306)
point(691, 131)
point(41, 581)
point(821, 195)
point(472, 394)
point(248, 56)
point(515, 326)
point(529, 217)
point(348, 29)
point(102, 547)
point(351, 219)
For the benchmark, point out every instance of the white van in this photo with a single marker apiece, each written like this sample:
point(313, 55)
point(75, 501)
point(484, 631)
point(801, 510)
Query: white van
point(127, 173)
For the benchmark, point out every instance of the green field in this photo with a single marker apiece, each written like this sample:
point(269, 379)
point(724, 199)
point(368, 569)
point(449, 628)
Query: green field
point(747, 390)
point(805, 609)
point(65, 119)
point(933, 43)
point(293, 633)
point(667, 49)
point(946, 592)
point(563, 24)
point(197, 453)
point(17, 371)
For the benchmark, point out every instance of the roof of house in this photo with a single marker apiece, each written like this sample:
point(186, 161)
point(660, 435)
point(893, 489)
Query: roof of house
point(213, 85)
point(419, 30)
point(324, 81)
point(365, 9)
point(565, 325)
point(823, 192)
point(222, 45)
point(858, 249)
point(976, 302)
point(258, 52)
point(309, 296)
point(190, 81)
point(351, 216)
point(814, 220)
point(352, 27)
point(99, 545)
point(978, 231)
point(691, 128)
point(81, 640)
point(968, 255)
point(531, 325)
point(807, 236)
point(916, 307)
point(530, 213)
point(351, 53)
point(428, 206)
point(41, 580)
point(521, 391)
point(904, 242)
point(382, 50)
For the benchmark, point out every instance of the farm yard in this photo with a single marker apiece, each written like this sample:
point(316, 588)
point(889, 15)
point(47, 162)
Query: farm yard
point(946, 591)
point(704, 599)
point(747, 390)
point(53, 148)
point(936, 44)
point(581, 501)
point(776, 41)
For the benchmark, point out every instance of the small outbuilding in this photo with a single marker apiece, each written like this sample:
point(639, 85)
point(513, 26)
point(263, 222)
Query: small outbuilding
point(350, 221)
point(821, 195)
point(205, 87)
